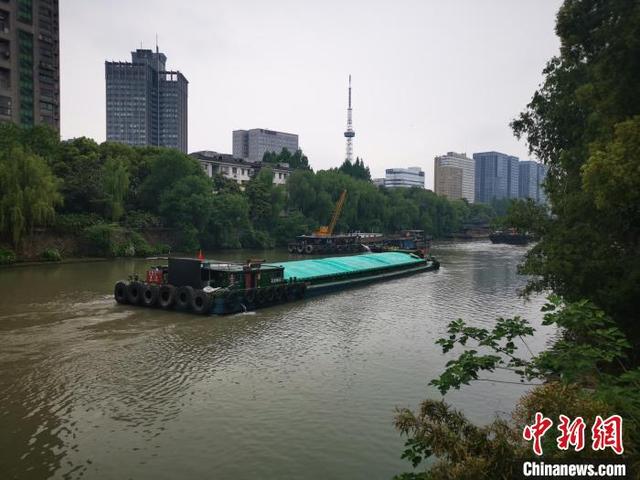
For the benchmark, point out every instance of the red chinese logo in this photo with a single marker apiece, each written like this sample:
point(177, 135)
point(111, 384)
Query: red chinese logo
point(607, 433)
point(536, 431)
point(571, 433)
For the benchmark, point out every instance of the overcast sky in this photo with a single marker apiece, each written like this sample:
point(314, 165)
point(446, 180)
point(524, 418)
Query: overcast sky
point(428, 76)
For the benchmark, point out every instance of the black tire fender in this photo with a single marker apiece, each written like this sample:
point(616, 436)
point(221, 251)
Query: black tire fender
point(167, 296)
point(150, 295)
point(201, 302)
point(184, 297)
point(120, 292)
point(134, 293)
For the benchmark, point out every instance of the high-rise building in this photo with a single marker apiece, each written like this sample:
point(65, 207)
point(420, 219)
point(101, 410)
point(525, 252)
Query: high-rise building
point(532, 176)
point(146, 103)
point(454, 176)
point(496, 176)
point(404, 177)
point(528, 180)
point(30, 62)
point(251, 145)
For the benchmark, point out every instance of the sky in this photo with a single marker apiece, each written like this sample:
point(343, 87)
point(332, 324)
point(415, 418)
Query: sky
point(428, 76)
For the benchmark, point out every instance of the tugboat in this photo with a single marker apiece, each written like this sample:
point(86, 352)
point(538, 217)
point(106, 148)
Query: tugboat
point(209, 287)
point(510, 236)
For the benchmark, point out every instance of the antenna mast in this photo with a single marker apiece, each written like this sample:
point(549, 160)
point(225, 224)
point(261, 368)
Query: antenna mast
point(349, 133)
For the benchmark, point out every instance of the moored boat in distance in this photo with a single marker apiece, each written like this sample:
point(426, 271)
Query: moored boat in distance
point(208, 287)
point(510, 236)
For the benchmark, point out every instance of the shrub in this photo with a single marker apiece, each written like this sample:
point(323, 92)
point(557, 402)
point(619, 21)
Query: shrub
point(104, 240)
point(162, 249)
point(51, 255)
point(140, 220)
point(256, 239)
point(140, 245)
point(7, 256)
point(74, 222)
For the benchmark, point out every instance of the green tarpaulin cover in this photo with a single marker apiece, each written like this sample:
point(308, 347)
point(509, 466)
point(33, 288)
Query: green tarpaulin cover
point(308, 269)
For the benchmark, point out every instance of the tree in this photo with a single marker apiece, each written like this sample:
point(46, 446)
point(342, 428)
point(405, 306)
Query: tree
point(28, 193)
point(295, 161)
point(80, 167)
point(356, 169)
point(166, 169)
point(116, 185)
point(581, 124)
point(525, 215)
point(186, 205)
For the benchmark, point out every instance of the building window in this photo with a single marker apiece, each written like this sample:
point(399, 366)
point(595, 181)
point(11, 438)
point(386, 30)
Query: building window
point(25, 11)
point(25, 70)
point(5, 106)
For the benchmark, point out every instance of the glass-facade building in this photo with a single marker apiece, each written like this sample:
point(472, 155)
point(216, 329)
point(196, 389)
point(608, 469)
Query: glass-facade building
point(528, 185)
point(30, 62)
point(404, 177)
point(251, 145)
point(496, 176)
point(146, 104)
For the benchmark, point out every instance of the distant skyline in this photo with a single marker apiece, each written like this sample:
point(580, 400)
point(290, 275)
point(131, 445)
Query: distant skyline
point(428, 76)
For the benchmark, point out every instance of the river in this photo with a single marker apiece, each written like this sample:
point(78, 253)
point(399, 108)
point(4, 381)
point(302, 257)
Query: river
point(92, 389)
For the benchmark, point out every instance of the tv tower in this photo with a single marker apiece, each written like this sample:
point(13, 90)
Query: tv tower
point(349, 133)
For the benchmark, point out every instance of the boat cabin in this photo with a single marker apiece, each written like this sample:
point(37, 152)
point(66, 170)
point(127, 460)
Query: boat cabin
point(201, 273)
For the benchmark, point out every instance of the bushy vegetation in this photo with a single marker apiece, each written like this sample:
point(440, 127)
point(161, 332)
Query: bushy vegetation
point(51, 255)
point(100, 192)
point(584, 123)
point(7, 256)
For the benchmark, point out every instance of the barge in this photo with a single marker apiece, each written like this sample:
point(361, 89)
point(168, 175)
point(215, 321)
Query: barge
point(208, 287)
point(510, 237)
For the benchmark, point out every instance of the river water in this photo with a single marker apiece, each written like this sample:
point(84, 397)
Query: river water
point(92, 389)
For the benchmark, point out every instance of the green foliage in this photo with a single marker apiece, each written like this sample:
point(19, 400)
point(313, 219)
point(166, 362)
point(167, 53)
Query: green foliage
point(221, 184)
point(144, 188)
point(525, 215)
point(577, 369)
point(102, 240)
point(295, 161)
point(7, 256)
point(75, 222)
point(462, 450)
point(229, 220)
point(112, 240)
point(500, 340)
point(582, 122)
point(51, 255)
point(80, 169)
point(116, 185)
point(589, 343)
point(141, 220)
point(356, 169)
point(256, 239)
point(28, 193)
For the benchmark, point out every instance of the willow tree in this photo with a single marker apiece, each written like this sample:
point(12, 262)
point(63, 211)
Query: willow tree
point(28, 193)
point(116, 185)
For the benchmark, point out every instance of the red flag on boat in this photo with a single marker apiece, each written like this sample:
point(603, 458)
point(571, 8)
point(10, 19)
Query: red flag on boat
point(200, 255)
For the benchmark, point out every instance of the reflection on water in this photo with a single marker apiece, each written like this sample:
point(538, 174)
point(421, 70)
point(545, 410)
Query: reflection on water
point(308, 389)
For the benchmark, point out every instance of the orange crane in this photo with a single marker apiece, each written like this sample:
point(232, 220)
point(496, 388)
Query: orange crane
point(326, 231)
